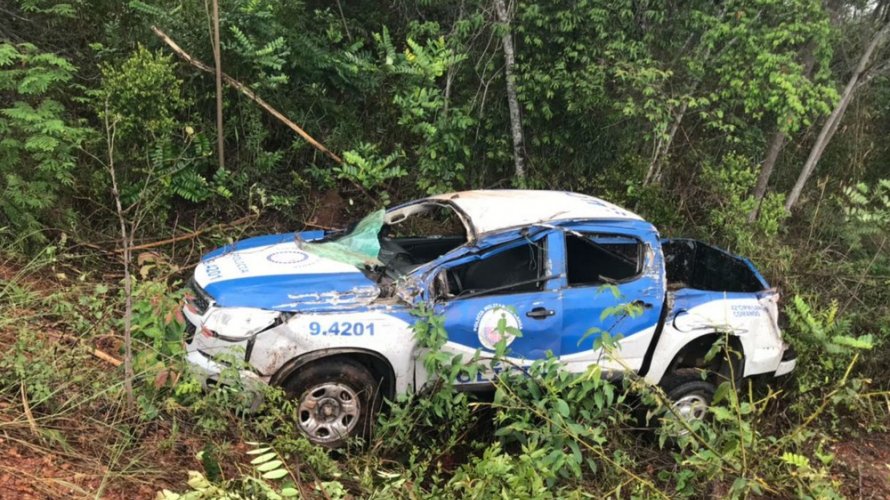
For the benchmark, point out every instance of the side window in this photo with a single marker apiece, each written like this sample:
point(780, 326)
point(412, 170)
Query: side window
point(518, 269)
point(596, 258)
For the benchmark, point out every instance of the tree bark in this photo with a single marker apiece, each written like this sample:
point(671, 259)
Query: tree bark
point(512, 101)
point(220, 136)
point(766, 171)
point(831, 125)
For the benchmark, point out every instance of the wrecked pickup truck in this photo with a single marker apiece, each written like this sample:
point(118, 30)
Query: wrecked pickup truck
point(327, 314)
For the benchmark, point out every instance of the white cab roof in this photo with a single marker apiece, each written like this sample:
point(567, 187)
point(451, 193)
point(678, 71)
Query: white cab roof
point(491, 210)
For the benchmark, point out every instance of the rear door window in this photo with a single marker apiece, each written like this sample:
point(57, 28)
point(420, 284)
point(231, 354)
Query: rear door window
point(593, 259)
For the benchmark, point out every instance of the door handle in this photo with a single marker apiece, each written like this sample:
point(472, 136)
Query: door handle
point(540, 313)
point(640, 303)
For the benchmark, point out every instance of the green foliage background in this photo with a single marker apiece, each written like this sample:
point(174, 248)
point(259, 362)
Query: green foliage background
point(411, 94)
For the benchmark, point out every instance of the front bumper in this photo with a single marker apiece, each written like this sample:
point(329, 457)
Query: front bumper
point(212, 373)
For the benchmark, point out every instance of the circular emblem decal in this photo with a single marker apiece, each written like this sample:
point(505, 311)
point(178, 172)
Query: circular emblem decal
point(288, 257)
point(488, 320)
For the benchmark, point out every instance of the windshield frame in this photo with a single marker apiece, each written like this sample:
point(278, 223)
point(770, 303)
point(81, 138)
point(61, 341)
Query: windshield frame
point(418, 207)
point(406, 210)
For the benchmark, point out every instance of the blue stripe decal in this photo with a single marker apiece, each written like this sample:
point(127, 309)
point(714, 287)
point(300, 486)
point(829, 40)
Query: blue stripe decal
point(295, 292)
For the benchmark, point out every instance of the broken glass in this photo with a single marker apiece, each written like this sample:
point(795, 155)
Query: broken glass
point(359, 247)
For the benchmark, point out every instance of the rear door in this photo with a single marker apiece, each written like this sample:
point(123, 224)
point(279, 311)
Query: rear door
point(613, 283)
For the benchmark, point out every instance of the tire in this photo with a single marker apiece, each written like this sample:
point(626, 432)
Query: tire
point(335, 401)
point(690, 396)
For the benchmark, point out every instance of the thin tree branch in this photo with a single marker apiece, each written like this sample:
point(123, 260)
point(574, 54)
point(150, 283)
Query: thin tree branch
point(831, 125)
point(244, 89)
point(189, 236)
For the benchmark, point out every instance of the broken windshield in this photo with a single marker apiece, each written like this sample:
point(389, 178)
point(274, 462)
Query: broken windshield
point(400, 240)
point(358, 247)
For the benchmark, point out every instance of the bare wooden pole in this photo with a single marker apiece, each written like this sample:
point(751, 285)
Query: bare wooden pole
point(217, 58)
point(244, 89)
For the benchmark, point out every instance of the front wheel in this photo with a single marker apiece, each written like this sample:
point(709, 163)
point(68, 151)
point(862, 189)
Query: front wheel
point(335, 401)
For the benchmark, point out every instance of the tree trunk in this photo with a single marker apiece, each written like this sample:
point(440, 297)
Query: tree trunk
point(831, 125)
point(654, 171)
point(220, 136)
point(512, 101)
point(776, 145)
point(766, 171)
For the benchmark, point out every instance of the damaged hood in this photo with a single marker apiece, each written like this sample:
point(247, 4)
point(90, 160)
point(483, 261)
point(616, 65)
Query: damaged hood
point(273, 272)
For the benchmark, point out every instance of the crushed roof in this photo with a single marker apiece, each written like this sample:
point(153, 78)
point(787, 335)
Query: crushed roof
point(495, 209)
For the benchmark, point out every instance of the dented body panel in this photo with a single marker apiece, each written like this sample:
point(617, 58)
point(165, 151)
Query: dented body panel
point(573, 260)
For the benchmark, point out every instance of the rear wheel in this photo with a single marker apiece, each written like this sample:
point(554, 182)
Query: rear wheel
point(335, 400)
point(689, 395)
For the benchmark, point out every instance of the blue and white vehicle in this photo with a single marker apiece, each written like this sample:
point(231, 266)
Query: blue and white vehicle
point(327, 315)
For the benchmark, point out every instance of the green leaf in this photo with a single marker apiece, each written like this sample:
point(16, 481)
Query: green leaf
point(275, 474)
point(721, 413)
point(8, 53)
point(799, 461)
point(274, 464)
point(197, 480)
point(562, 408)
point(263, 458)
point(723, 390)
point(862, 342)
point(289, 492)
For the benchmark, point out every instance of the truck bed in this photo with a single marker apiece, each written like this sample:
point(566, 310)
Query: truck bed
point(693, 264)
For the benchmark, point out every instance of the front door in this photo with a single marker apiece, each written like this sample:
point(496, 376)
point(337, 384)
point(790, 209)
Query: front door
point(506, 293)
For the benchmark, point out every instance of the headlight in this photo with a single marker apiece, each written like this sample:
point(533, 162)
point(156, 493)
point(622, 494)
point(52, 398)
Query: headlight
point(238, 323)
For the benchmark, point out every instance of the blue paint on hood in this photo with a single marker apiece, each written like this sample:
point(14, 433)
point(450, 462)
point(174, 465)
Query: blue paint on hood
point(261, 241)
point(275, 272)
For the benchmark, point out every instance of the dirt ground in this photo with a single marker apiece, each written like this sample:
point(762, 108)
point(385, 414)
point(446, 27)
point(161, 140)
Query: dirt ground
point(863, 465)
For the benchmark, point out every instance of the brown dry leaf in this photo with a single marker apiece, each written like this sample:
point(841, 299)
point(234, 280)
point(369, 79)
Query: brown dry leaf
point(144, 257)
point(161, 378)
point(144, 270)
